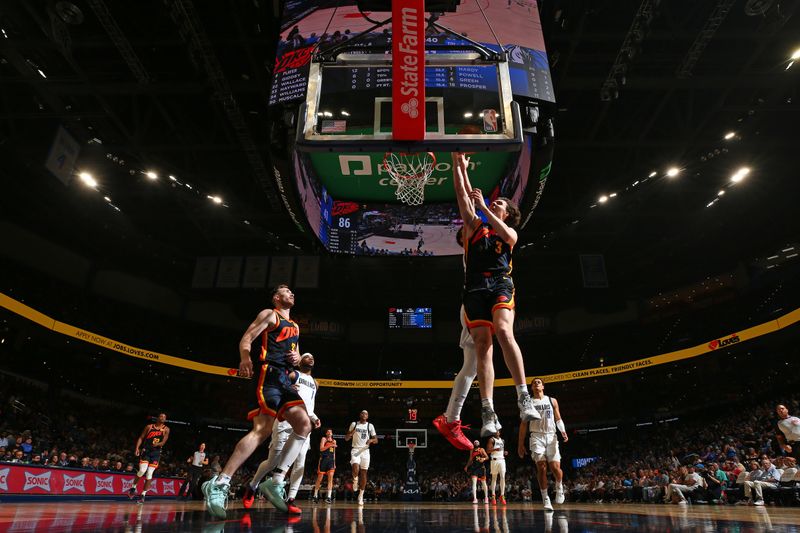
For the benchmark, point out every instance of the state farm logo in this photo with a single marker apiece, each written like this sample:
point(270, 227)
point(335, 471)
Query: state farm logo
point(4, 479)
point(408, 47)
point(411, 108)
point(40, 481)
point(75, 483)
point(104, 483)
point(721, 343)
point(168, 487)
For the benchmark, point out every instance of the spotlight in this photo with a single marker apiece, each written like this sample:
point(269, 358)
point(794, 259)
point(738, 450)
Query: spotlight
point(673, 171)
point(87, 179)
point(652, 174)
point(468, 114)
point(720, 193)
point(152, 175)
point(216, 199)
point(173, 178)
point(795, 55)
point(730, 135)
point(603, 199)
point(740, 174)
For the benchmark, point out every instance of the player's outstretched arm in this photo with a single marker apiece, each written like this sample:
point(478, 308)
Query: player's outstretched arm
point(463, 189)
point(264, 320)
point(523, 432)
point(506, 232)
point(166, 438)
point(141, 439)
point(559, 420)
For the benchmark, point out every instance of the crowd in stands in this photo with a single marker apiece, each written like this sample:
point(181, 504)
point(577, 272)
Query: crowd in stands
point(716, 459)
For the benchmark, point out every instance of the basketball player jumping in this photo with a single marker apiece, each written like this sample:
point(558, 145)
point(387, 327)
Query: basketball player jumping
point(327, 464)
point(449, 423)
point(276, 399)
point(363, 435)
point(497, 452)
point(476, 468)
point(148, 450)
point(543, 442)
point(489, 290)
point(281, 430)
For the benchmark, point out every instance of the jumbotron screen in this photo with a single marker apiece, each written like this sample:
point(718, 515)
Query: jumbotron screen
point(410, 318)
point(308, 24)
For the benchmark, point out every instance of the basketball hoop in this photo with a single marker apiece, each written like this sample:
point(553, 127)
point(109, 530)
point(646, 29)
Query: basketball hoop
point(410, 172)
point(411, 447)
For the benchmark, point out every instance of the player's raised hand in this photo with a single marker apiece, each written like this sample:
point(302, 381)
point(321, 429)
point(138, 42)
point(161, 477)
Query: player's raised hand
point(246, 368)
point(477, 197)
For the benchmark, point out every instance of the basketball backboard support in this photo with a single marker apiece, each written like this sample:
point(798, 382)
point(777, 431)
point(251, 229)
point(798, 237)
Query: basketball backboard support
point(417, 437)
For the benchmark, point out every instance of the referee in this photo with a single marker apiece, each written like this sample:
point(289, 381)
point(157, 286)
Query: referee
point(198, 460)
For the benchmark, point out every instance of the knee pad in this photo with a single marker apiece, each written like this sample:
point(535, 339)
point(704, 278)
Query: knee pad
point(142, 469)
point(150, 470)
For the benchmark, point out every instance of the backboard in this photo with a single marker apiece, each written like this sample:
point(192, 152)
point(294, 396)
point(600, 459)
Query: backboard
point(419, 437)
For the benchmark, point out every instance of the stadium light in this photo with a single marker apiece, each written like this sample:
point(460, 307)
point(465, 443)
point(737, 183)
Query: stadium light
point(730, 135)
point(173, 178)
point(152, 175)
point(673, 171)
point(216, 199)
point(468, 114)
point(652, 174)
point(603, 199)
point(740, 174)
point(720, 193)
point(612, 195)
point(88, 180)
point(795, 55)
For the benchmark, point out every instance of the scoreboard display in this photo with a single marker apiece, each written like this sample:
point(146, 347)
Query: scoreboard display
point(410, 318)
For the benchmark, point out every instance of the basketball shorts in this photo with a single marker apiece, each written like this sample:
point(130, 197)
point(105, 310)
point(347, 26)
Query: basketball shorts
point(274, 393)
point(544, 447)
point(482, 299)
point(151, 456)
point(498, 467)
point(360, 458)
point(477, 470)
point(326, 465)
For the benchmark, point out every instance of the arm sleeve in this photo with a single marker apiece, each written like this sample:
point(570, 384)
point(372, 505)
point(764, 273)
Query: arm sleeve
point(560, 425)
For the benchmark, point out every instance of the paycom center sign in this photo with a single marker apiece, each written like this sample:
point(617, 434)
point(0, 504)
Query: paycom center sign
point(362, 176)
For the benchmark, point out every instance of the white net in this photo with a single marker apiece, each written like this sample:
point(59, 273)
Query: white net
point(410, 173)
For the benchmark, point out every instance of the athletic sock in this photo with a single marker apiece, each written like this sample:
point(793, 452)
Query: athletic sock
point(316, 493)
point(544, 494)
point(487, 402)
point(292, 448)
point(559, 487)
point(223, 479)
point(522, 391)
point(329, 493)
point(144, 492)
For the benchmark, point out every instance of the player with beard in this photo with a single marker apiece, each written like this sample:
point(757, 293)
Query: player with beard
point(276, 397)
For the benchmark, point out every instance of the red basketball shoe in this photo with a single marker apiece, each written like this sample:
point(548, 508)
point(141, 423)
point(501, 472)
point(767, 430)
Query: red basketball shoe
point(249, 497)
point(453, 432)
point(291, 508)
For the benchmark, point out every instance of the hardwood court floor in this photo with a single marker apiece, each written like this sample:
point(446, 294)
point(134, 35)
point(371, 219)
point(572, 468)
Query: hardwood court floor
point(392, 517)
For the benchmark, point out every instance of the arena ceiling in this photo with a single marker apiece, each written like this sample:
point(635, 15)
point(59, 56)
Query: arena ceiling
point(180, 88)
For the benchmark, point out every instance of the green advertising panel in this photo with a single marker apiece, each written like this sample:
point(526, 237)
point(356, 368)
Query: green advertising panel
point(361, 176)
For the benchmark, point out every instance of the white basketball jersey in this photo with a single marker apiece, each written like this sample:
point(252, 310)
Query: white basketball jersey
point(362, 434)
point(499, 448)
point(307, 389)
point(547, 424)
point(790, 426)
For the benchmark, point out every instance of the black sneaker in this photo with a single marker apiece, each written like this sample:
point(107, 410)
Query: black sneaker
point(315, 499)
point(328, 500)
point(131, 493)
point(140, 499)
